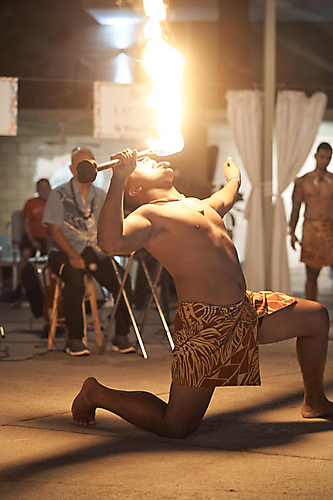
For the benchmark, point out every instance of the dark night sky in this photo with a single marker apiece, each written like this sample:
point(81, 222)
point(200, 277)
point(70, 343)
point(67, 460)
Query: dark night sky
point(58, 40)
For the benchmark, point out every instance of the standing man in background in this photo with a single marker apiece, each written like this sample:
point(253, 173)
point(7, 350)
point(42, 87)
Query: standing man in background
point(71, 215)
point(315, 190)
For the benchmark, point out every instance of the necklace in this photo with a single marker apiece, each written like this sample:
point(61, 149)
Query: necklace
point(85, 217)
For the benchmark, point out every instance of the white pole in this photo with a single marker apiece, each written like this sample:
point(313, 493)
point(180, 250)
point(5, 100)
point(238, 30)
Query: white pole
point(269, 106)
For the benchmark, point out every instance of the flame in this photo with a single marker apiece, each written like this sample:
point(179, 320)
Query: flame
point(165, 66)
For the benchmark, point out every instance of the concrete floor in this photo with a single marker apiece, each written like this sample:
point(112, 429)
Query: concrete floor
point(252, 444)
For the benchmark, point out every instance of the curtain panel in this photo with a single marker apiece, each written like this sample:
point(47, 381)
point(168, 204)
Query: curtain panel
point(245, 115)
point(297, 121)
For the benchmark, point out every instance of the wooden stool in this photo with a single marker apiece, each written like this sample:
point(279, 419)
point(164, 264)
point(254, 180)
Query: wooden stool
point(56, 321)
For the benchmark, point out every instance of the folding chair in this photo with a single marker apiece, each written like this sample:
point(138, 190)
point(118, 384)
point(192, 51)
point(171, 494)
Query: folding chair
point(122, 292)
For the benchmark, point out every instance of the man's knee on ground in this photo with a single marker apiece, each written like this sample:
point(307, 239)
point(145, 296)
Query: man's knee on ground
point(186, 409)
point(181, 432)
point(182, 429)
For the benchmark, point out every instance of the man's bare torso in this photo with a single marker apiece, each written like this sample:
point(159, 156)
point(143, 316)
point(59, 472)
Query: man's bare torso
point(317, 194)
point(190, 239)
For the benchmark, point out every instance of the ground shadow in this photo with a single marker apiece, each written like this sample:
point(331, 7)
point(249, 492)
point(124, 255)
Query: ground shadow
point(231, 431)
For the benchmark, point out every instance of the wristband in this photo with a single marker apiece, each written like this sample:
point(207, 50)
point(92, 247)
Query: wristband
point(121, 181)
point(234, 177)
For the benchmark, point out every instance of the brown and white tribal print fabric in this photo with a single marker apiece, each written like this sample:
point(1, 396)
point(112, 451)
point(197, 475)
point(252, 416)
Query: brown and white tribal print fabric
point(317, 243)
point(218, 346)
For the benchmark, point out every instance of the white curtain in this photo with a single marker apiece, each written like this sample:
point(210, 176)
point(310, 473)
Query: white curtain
point(245, 115)
point(297, 120)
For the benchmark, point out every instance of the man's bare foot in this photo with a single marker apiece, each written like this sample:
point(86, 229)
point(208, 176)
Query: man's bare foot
point(83, 410)
point(323, 410)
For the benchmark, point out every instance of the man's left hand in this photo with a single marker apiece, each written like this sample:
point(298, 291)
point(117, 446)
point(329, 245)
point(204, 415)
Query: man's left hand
point(231, 170)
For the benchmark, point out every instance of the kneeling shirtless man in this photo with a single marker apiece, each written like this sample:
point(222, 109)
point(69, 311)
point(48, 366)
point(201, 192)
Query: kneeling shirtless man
point(218, 323)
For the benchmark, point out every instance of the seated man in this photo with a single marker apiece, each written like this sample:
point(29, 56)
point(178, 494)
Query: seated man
point(71, 214)
point(218, 323)
point(35, 235)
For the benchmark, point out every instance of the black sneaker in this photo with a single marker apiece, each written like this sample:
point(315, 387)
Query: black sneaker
point(121, 344)
point(77, 348)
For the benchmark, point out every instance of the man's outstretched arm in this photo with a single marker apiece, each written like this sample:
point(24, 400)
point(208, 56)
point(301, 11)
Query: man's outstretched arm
point(223, 200)
point(116, 235)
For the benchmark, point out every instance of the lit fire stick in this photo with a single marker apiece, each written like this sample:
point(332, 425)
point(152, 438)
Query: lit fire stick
point(87, 169)
point(164, 65)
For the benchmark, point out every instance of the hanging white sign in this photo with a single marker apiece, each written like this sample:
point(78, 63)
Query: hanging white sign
point(120, 111)
point(8, 106)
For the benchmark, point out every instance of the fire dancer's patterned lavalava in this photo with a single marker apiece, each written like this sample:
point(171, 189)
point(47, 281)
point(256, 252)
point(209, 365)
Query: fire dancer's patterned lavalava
point(218, 346)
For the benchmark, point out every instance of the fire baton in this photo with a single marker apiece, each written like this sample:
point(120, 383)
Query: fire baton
point(87, 169)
